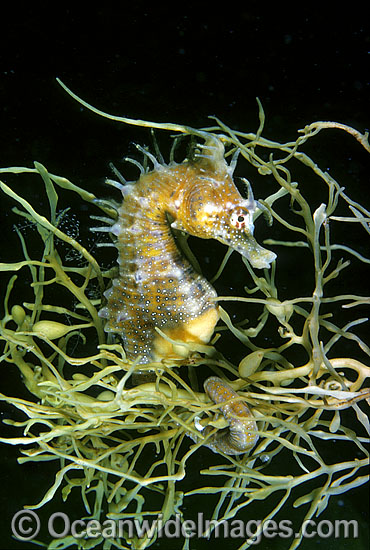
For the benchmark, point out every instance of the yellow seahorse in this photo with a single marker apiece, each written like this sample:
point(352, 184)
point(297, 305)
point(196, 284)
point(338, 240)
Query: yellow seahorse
point(157, 286)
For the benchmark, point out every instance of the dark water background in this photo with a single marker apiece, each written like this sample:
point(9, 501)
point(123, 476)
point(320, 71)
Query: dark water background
point(160, 64)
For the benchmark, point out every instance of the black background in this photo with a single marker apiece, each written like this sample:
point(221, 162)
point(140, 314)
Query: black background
point(155, 63)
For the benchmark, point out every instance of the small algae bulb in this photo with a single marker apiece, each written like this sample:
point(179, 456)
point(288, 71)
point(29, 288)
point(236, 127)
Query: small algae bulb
point(52, 329)
point(18, 314)
point(250, 363)
point(234, 410)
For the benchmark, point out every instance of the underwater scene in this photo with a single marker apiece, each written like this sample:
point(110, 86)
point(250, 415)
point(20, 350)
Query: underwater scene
point(173, 391)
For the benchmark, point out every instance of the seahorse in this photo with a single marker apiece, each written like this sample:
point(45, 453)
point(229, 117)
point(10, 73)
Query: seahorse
point(241, 434)
point(157, 287)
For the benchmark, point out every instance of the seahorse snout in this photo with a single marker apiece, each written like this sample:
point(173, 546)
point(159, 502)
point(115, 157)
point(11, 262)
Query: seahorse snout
point(257, 256)
point(244, 243)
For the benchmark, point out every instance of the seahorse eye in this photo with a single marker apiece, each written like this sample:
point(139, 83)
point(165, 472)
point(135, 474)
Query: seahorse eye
point(239, 218)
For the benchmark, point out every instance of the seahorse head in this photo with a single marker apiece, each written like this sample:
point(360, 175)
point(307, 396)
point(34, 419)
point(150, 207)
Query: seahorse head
point(210, 206)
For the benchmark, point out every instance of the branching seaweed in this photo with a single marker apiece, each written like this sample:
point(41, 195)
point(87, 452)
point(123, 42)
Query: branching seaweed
point(128, 449)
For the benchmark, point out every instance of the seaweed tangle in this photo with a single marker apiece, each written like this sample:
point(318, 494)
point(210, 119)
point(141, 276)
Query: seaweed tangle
point(138, 451)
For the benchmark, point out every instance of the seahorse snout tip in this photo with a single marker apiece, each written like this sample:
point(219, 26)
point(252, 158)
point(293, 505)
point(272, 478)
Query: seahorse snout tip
point(261, 259)
point(257, 256)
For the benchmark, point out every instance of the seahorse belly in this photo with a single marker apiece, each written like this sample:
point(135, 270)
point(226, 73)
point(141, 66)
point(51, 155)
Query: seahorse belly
point(197, 330)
